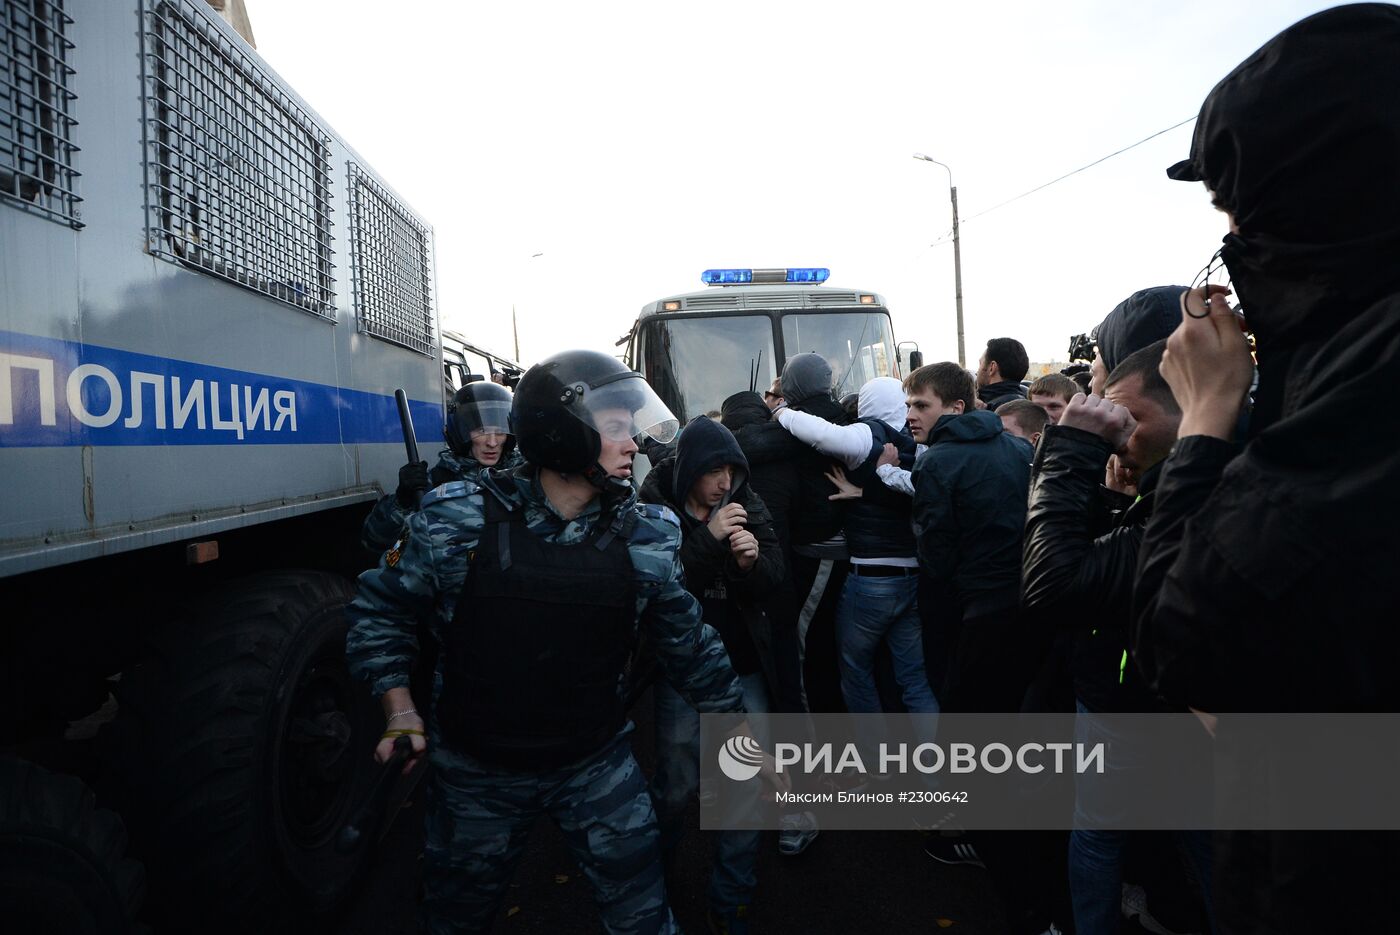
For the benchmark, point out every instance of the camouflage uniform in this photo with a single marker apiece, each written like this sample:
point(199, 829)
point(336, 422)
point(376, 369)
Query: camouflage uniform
point(386, 520)
point(479, 814)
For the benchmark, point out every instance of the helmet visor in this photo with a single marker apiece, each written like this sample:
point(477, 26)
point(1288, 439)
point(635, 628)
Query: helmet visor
point(483, 417)
point(624, 406)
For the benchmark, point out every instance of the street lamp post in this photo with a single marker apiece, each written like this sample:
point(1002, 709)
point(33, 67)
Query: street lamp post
point(957, 254)
point(515, 329)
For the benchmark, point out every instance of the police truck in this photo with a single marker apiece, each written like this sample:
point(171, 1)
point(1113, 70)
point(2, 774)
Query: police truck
point(207, 300)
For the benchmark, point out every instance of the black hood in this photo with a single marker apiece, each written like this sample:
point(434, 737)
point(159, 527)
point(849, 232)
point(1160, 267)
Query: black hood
point(975, 426)
point(704, 444)
point(744, 409)
point(1143, 318)
point(1301, 143)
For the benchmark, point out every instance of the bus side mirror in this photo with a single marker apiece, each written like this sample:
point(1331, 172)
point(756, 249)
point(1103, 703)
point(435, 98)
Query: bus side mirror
point(910, 357)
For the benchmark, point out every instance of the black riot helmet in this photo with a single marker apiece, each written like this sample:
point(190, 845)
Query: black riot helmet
point(562, 402)
point(477, 408)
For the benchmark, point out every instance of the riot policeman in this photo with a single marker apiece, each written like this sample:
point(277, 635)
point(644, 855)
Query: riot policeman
point(478, 437)
point(536, 581)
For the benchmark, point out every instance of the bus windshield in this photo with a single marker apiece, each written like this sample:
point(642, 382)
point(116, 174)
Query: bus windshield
point(694, 364)
point(858, 345)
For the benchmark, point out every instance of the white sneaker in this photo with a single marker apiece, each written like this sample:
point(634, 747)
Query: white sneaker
point(797, 833)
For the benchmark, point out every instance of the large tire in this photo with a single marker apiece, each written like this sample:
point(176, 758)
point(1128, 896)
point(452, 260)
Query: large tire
point(244, 747)
point(63, 869)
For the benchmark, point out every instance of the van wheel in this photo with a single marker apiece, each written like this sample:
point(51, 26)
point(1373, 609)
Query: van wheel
point(244, 745)
point(63, 863)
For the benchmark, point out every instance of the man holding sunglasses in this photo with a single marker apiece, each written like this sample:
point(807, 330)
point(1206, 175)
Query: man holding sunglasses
point(1267, 576)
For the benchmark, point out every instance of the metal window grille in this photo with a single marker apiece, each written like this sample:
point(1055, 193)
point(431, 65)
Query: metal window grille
point(36, 129)
point(237, 173)
point(389, 265)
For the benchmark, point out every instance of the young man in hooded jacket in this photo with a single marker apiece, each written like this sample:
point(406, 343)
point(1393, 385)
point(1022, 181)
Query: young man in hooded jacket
point(732, 561)
point(776, 460)
point(1267, 576)
point(969, 510)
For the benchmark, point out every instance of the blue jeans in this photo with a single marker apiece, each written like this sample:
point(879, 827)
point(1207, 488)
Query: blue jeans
point(875, 609)
point(1096, 855)
point(677, 779)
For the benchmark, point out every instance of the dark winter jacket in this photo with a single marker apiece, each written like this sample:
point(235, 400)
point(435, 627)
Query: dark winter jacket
point(1072, 575)
point(970, 508)
point(1269, 576)
point(772, 454)
point(817, 518)
point(994, 394)
point(878, 524)
point(807, 388)
point(1277, 568)
point(732, 598)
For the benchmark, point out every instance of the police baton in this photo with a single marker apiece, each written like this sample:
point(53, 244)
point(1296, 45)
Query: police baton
point(365, 822)
point(410, 441)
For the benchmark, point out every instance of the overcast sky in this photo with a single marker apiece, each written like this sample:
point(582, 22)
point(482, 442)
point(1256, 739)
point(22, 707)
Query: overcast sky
point(637, 144)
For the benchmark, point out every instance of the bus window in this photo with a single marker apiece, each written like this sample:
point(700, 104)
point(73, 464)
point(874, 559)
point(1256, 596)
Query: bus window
point(456, 376)
point(858, 345)
point(694, 364)
point(477, 364)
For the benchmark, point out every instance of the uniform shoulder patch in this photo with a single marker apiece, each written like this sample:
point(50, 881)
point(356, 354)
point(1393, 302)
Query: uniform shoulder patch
point(449, 491)
point(657, 511)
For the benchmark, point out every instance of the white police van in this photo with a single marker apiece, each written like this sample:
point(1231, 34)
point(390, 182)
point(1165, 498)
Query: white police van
point(207, 299)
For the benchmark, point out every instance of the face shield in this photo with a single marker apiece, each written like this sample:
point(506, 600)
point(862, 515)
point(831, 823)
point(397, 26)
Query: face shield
point(482, 417)
point(621, 406)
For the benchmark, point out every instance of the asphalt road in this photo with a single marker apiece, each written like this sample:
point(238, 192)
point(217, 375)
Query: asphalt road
point(876, 881)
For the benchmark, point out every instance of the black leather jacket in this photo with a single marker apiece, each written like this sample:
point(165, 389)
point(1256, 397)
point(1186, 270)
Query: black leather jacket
point(1072, 575)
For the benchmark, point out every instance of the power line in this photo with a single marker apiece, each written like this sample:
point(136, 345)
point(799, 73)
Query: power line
point(1118, 152)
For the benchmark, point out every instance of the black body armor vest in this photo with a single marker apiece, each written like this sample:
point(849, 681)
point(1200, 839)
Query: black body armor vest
point(538, 643)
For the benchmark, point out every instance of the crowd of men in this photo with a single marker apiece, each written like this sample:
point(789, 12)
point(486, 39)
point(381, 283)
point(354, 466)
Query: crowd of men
point(1206, 526)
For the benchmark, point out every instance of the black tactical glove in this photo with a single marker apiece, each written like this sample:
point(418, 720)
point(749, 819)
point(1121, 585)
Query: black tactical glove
point(413, 483)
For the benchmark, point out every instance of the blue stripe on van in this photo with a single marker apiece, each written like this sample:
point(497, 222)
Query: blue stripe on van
point(43, 380)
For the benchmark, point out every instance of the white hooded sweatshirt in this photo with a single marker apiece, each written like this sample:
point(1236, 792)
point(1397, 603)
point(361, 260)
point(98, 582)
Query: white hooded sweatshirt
point(881, 398)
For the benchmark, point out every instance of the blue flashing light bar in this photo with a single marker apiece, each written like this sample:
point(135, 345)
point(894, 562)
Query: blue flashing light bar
point(731, 277)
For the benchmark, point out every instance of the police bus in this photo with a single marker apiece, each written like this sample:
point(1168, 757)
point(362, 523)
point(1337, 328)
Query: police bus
point(207, 300)
point(697, 348)
point(465, 362)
